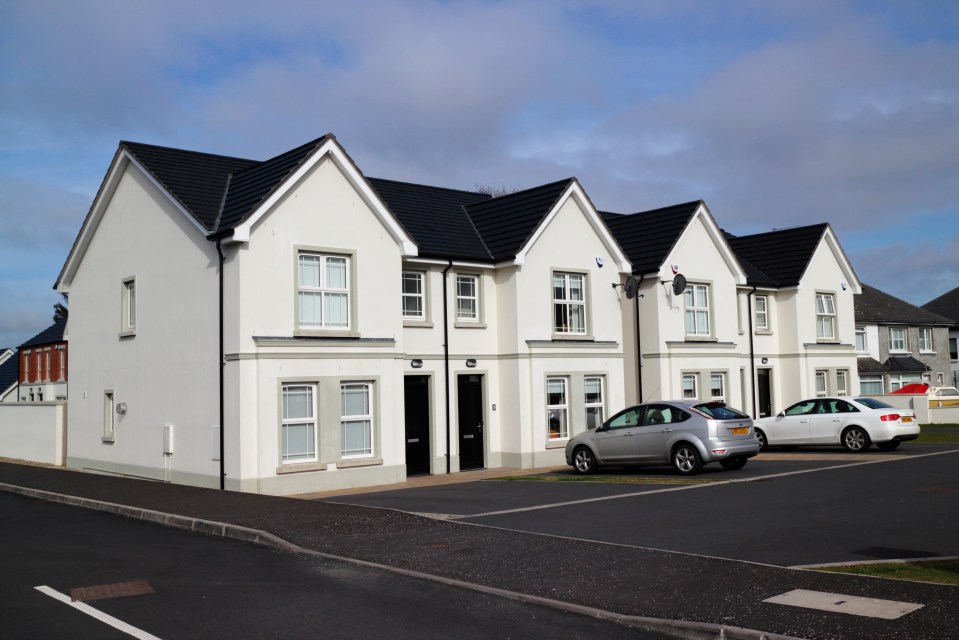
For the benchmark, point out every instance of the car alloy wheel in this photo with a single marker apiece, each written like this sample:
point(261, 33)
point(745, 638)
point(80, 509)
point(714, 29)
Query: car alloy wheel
point(763, 444)
point(583, 461)
point(686, 459)
point(855, 439)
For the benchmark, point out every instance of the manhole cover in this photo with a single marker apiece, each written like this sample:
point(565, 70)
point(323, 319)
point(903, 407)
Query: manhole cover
point(107, 591)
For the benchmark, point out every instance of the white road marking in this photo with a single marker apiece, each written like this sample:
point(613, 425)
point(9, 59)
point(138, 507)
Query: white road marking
point(691, 486)
point(99, 615)
point(839, 603)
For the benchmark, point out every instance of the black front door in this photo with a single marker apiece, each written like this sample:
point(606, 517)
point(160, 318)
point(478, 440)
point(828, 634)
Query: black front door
point(417, 400)
point(469, 400)
point(763, 393)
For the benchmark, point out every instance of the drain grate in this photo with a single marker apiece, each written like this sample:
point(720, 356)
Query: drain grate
point(107, 591)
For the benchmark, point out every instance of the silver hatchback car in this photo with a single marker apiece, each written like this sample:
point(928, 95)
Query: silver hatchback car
point(684, 434)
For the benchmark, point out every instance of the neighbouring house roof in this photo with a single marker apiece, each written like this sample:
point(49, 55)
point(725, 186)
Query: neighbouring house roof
point(9, 373)
point(946, 305)
point(778, 257)
point(905, 364)
point(877, 307)
point(53, 333)
point(648, 237)
point(866, 364)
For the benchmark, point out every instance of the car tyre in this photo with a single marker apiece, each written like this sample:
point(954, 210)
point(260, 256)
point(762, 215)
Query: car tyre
point(734, 463)
point(763, 443)
point(687, 460)
point(855, 439)
point(889, 446)
point(584, 462)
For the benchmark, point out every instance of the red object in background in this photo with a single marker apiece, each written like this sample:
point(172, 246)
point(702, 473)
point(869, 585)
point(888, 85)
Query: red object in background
point(915, 387)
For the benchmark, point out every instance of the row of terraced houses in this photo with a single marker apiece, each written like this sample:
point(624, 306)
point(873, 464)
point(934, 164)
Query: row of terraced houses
point(292, 325)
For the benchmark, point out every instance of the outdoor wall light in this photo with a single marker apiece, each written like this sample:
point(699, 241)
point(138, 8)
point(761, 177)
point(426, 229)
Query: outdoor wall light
point(765, 360)
point(471, 363)
point(416, 364)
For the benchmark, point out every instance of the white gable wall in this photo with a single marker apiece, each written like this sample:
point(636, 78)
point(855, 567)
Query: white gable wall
point(167, 373)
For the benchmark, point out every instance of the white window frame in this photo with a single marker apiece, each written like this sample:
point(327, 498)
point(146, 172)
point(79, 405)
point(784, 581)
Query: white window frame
point(868, 382)
point(46, 365)
point(594, 408)
point(697, 322)
point(128, 304)
point(63, 362)
point(109, 416)
point(825, 316)
point(287, 423)
point(761, 313)
point(473, 298)
point(565, 306)
point(26, 366)
point(925, 340)
point(842, 382)
point(822, 383)
point(363, 419)
point(561, 408)
point(719, 376)
point(690, 391)
point(39, 372)
point(898, 339)
point(418, 296)
point(864, 347)
point(323, 291)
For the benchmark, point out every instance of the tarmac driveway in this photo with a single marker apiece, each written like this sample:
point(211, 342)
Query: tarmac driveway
point(785, 509)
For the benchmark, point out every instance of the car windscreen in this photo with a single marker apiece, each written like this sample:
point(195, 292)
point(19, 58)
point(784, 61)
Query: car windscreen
point(720, 411)
point(948, 391)
point(872, 403)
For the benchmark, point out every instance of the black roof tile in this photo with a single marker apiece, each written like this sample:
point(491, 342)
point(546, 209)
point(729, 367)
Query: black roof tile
point(875, 306)
point(506, 223)
point(946, 305)
point(905, 363)
point(648, 237)
point(9, 371)
point(197, 180)
point(870, 365)
point(53, 333)
point(779, 257)
point(435, 218)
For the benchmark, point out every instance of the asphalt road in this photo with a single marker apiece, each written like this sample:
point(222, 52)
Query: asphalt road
point(795, 509)
point(206, 587)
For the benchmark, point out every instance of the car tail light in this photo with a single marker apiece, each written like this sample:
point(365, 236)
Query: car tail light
point(890, 417)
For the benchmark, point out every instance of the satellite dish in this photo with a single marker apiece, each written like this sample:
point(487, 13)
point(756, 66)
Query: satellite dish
point(679, 284)
point(631, 287)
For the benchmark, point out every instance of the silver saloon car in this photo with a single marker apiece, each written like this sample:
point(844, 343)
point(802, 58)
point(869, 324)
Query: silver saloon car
point(684, 434)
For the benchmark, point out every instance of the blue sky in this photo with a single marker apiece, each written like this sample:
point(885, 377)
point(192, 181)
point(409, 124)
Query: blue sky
point(777, 114)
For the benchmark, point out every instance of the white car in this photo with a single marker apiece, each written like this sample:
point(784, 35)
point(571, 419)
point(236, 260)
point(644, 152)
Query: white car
point(855, 423)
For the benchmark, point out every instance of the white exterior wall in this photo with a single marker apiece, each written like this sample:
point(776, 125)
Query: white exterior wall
point(168, 372)
point(33, 432)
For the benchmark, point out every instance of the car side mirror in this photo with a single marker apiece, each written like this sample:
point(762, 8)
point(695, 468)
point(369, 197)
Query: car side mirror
point(781, 414)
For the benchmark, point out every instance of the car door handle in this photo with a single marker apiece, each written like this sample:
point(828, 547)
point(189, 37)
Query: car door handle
point(628, 434)
point(667, 430)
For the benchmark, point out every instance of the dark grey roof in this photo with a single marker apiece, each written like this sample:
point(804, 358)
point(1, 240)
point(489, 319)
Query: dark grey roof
point(648, 237)
point(53, 333)
point(870, 365)
point(197, 180)
point(779, 257)
point(9, 371)
point(905, 363)
point(435, 218)
point(507, 222)
point(946, 305)
point(875, 306)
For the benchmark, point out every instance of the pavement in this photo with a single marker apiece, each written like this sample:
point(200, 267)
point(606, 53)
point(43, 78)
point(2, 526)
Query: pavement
point(686, 595)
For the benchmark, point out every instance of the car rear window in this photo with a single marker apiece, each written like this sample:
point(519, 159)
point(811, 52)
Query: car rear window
point(872, 403)
point(720, 411)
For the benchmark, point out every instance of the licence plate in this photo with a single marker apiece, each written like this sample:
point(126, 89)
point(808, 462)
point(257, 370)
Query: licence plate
point(906, 419)
point(740, 431)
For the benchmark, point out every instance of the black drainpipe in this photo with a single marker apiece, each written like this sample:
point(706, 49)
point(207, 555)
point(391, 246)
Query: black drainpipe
point(219, 251)
point(446, 360)
point(752, 353)
point(639, 351)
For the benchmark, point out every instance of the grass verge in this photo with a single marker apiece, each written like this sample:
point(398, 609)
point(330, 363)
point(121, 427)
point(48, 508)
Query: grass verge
point(936, 571)
point(932, 435)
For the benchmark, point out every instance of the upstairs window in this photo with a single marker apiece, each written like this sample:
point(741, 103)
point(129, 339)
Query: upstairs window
point(897, 339)
point(697, 309)
point(925, 340)
point(762, 313)
point(128, 305)
point(825, 317)
point(861, 344)
point(569, 303)
point(323, 291)
point(414, 299)
point(467, 298)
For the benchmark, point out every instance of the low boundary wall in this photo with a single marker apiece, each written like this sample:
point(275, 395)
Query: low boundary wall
point(34, 431)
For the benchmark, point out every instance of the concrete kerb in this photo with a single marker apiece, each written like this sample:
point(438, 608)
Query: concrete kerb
point(678, 628)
